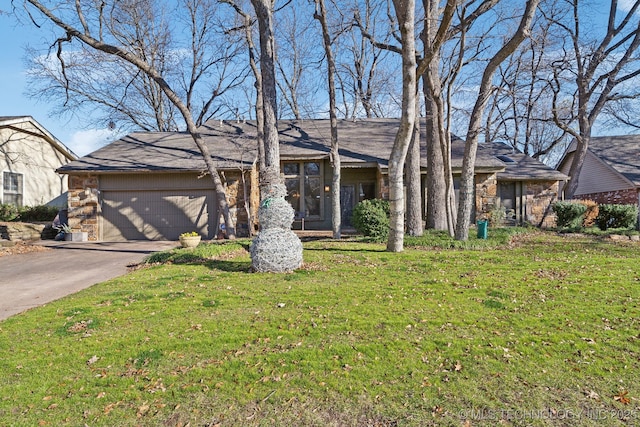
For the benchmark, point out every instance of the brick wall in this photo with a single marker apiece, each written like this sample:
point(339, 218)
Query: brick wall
point(627, 196)
point(235, 189)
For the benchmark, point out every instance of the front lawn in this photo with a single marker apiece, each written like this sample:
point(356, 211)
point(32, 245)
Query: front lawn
point(540, 330)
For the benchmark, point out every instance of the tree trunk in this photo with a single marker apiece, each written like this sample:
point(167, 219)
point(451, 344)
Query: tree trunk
point(264, 12)
point(436, 184)
point(336, 220)
point(414, 182)
point(405, 13)
point(276, 248)
point(436, 206)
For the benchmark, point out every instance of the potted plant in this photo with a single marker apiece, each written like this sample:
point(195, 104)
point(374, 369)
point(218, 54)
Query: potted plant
point(71, 234)
point(190, 239)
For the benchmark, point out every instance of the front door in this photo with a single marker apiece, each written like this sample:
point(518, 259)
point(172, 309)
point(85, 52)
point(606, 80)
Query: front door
point(508, 202)
point(347, 203)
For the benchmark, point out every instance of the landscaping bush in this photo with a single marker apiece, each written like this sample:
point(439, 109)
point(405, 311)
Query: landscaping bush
point(569, 214)
point(38, 213)
point(591, 214)
point(8, 212)
point(371, 218)
point(617, 216)
point(42, 213)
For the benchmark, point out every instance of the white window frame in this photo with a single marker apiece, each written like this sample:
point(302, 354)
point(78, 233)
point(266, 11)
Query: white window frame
point(17, 191)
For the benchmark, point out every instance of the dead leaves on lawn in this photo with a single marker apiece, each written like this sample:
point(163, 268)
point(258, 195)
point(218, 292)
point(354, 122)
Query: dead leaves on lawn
point(622, 397)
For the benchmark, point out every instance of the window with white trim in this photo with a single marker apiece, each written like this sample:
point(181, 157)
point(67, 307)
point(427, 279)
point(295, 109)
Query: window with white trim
point(12, 188)
point(304, 188)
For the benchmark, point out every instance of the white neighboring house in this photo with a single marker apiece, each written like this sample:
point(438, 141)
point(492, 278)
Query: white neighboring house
point(29, 157)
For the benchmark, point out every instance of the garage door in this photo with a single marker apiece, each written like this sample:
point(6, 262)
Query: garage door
point(157, 215)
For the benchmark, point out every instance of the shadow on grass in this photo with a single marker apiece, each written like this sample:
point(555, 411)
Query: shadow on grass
point(230, 266)
point(338, 249)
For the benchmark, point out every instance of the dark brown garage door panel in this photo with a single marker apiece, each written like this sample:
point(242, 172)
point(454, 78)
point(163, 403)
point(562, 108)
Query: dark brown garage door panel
point(157, 215)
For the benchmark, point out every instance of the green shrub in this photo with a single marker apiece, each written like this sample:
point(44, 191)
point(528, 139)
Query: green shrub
point(8, 212)
point(617, 216)
point(28, 213)
point(569, 214)
point(38, 213)
point(371, 218)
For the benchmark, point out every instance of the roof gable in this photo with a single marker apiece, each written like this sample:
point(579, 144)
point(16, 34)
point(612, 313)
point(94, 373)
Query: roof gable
point(622, 153)
point(27, 124)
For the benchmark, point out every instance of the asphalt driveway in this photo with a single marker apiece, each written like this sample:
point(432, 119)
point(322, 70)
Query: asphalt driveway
point(36, 278)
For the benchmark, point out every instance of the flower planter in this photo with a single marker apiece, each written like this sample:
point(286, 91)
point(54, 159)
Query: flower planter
point(77, 236)
point(189, 241)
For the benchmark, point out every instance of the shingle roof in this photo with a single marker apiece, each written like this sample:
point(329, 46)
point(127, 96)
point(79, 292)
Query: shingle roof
point(521, 166)
point(620, 152)
point(362, 142)
point(10, 118)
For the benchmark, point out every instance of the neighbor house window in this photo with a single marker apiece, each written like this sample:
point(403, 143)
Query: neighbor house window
point(12, 188)
point(304, 187)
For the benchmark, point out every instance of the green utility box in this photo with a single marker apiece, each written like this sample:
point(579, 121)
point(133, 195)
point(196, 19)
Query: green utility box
point(483, 226)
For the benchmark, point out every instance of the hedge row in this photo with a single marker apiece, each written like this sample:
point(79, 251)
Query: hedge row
point(585, 213)
point(10, 212)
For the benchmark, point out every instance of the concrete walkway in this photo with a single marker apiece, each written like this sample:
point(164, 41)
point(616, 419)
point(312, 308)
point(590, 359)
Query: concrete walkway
point(36, 278)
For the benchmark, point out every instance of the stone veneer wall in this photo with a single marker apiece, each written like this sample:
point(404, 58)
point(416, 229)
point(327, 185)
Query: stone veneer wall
point(627, 196)
point(383, 185)
point(486, 194)
point(235, 189)
point(538, 198)
point(84, 207)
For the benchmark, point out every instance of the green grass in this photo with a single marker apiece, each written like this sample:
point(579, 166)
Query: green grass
point(533, 329)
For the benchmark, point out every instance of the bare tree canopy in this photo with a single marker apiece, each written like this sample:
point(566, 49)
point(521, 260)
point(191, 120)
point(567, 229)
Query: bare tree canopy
point(104, 88)
point(595, 73)
point(110, 29)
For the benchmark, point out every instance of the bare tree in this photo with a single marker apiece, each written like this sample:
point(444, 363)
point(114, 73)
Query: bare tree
point(405, 13)
point(270, 170)
point(599, 71)
point(520, 110)
point(275, 249)
point(118, 93)
point(297, 56)
point(440, 199)
point(247, 28)
point(365, 71)
point(334, 154)
point(467, 187)
point(413, 206)
point(108, 29)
